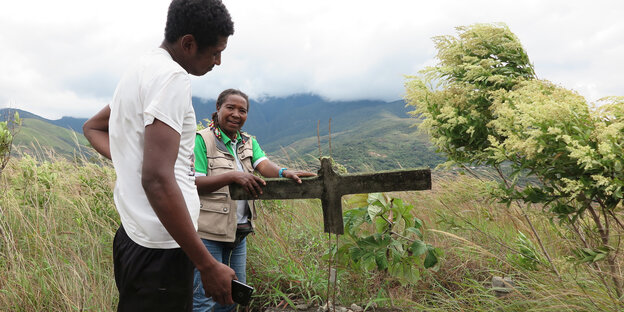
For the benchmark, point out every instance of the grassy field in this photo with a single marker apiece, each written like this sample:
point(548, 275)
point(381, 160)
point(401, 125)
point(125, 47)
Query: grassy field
point(57, 221)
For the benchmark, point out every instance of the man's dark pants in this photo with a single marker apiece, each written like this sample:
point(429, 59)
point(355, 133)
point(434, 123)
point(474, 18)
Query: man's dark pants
point(151, 279)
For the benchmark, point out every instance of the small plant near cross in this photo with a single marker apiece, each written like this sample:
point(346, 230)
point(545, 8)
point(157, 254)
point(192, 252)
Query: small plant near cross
point(382, 234)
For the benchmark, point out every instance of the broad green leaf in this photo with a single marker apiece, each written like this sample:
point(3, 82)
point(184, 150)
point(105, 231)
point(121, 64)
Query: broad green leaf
point(604, 249)
point(418, 223)
point(431, 259)
point(358, 200)
point(357, 253)
point(418, 248)
point(381, 225)
point(369, 262)
point(381, 260)
point(377, 197)
point(374, 211)
point(415, 231)
point(599, 257)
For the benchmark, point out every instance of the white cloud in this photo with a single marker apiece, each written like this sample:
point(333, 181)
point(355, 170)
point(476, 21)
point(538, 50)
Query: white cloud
point(65, 57)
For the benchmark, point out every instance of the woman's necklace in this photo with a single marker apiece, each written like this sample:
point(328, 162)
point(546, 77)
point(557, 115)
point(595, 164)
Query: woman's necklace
point(217, 131)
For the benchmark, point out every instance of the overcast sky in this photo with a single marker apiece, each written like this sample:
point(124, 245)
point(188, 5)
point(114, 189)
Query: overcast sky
point(65, 57)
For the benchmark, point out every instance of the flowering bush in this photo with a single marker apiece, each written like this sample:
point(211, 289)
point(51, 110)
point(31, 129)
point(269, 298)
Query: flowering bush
point(575, 151)
point(482, 104)
point(455, 97)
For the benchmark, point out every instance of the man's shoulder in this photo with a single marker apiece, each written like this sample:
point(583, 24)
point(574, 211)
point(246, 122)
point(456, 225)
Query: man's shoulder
point(158, 62)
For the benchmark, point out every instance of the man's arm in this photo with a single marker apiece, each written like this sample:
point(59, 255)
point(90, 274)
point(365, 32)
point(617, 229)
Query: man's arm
point(96, 131)
point(165, 197)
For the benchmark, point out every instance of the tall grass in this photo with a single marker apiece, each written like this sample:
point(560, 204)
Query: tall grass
point(57, 224)
point(57, 221)
point(284, 255)
point(482, 239)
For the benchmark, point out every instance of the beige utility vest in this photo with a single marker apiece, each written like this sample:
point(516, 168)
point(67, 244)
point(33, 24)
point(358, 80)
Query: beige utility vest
point(217, 215)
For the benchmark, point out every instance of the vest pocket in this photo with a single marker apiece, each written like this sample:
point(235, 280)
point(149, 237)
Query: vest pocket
point(247, 153)
point(246, 157)
point(214, 213)
point(220, 163)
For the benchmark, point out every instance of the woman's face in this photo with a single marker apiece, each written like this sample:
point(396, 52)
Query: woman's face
point(232, 114)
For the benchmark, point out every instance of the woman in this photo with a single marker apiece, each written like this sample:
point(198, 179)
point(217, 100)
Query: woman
point(224, 155)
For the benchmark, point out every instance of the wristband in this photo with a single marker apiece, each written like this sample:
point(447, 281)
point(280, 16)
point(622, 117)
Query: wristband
point(281, 175)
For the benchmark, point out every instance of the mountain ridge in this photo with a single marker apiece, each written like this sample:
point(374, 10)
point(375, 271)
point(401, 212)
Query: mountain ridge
point(365, 135)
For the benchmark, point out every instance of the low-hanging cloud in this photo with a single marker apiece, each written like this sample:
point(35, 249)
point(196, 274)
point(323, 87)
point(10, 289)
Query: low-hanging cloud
point(65, 57)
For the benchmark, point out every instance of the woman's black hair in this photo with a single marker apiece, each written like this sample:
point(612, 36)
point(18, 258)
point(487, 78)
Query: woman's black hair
point(221, 99)
point(206, 20)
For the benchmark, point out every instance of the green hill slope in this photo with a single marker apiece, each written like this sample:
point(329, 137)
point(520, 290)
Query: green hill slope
point(36, 137)
point(386, 142)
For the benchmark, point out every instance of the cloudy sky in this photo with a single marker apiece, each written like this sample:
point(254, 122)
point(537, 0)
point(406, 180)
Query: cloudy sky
point(64, 57)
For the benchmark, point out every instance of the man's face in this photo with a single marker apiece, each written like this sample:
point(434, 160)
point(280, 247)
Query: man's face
point(203, 62)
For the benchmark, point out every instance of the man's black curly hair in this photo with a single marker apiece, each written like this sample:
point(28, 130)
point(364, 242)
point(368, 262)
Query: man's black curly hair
point(206, 20)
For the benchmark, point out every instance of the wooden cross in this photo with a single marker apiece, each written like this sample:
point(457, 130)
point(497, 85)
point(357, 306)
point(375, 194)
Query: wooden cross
point(329, 186)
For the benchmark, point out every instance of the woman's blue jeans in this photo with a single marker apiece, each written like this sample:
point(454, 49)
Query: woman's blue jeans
point(235, 258)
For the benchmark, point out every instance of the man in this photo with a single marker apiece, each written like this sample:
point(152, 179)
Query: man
point(148, 131)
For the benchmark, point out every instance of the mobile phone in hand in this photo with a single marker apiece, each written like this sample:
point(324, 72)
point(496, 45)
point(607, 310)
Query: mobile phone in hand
point(241, 292)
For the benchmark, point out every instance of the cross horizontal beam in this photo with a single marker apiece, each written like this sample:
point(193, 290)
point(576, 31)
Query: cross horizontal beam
point(330, 187)
point(280, 188)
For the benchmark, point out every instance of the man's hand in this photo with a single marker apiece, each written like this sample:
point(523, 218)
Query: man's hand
point(217, 281)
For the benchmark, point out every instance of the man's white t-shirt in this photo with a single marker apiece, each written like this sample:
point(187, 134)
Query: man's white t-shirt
point(155, 88)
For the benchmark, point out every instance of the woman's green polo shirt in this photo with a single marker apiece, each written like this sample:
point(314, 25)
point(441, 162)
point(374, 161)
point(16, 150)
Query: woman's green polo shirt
point(201, 162)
